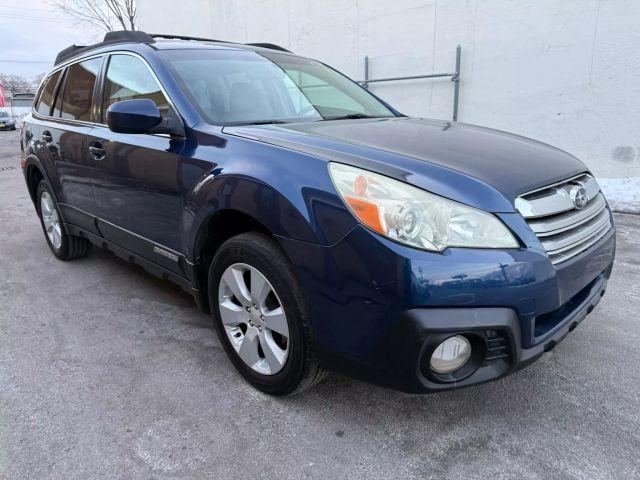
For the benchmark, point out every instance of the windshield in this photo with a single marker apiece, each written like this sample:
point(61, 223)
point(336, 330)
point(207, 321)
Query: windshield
point(244, 87)
point(4, 115)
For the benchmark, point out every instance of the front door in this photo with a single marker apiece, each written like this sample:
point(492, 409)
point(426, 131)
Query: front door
point(138, 184)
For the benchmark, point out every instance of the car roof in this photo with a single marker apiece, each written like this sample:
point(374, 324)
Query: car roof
point(158, 42)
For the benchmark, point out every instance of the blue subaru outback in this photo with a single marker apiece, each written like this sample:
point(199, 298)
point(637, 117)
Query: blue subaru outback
point(321, 228)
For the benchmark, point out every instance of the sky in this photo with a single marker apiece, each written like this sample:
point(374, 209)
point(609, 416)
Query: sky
point(33, 33)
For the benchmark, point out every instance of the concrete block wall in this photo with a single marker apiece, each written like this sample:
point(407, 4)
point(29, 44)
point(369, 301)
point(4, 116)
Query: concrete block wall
point(564, 72)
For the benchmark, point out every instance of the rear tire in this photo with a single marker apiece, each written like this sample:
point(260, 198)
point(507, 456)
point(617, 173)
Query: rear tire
point(61, 244)
point(243, 262)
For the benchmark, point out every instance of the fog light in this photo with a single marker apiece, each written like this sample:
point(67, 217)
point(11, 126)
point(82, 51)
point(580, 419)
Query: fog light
point(451, 354)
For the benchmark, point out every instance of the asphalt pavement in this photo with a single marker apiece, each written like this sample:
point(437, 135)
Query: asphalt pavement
point(109, 373)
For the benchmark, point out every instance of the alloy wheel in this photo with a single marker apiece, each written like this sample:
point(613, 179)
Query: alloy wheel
point(51, 220)
point(253, 318)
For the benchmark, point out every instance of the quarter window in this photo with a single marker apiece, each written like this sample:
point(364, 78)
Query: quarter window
point(57, 108)
point(78, 90)
point(128, 78)
point(47, 96)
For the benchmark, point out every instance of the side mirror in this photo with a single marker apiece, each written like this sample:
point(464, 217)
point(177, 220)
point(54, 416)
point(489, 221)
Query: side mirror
point(133, 116)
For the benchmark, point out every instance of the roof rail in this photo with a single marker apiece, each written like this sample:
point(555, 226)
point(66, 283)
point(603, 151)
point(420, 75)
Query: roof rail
point(128, 36)
point(69, 52)
point(185, 37)
point(271, 46)
point(124, 36)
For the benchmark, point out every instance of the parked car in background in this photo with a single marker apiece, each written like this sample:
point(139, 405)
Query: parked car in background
point(21, 105)
point(7, 122)
point(322, 229)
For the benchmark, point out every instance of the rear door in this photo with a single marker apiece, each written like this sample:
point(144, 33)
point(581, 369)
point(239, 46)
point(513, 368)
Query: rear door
point(73, 116)
point(138, 183)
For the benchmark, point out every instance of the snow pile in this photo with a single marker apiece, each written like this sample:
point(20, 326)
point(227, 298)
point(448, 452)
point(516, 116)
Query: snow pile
point(623, 194)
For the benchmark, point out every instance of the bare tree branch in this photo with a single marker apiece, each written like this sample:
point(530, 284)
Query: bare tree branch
point(15, 83)
point(132, 12)
point(107, 15)
point(84, 11)
point(115, 8)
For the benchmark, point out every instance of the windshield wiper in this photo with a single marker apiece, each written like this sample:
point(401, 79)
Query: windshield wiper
point(258, 122)
point(353, 116)
point(267, 122)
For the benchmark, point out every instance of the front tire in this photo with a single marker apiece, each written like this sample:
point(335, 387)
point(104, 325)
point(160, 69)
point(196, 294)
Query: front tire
point(61, 244)
point(261, 316)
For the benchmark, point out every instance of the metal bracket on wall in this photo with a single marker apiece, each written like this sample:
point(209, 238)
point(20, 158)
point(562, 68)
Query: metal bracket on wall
point(455, 78)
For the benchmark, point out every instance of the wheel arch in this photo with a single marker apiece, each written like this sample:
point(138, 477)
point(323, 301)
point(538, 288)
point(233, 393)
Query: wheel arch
point(34, 173)
point(223, 205)
point(213, 232)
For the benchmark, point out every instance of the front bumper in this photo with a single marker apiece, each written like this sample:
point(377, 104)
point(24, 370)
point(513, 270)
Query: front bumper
point(7, 126)
point(375, 304)
point(398, 361)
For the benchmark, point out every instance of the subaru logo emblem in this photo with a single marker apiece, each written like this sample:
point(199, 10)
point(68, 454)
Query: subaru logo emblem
point(579, 196)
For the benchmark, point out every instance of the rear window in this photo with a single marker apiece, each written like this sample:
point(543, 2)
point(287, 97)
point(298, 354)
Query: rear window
point(46, 97)
point(78, 90)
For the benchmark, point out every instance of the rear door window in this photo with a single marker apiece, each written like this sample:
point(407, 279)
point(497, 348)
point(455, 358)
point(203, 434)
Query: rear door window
point(128, 78)
point(45, 102)
point(78, 90)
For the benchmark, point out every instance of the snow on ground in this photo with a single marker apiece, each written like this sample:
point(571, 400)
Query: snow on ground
point(623, 194)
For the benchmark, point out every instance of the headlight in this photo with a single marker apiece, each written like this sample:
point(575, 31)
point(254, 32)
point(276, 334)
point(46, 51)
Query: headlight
point(416, 217)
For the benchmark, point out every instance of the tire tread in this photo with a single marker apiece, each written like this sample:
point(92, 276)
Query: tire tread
point(78, 247)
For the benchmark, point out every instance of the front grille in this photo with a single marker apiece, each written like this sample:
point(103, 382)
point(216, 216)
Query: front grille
point(564, 229)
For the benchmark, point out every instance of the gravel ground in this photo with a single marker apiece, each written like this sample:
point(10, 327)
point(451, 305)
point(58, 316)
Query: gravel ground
point(107, 372)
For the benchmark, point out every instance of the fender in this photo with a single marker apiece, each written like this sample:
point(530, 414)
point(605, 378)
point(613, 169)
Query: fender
point(251, 177)
point(322, 220)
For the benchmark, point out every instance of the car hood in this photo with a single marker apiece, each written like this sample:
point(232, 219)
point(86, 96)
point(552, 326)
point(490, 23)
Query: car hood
point(508, 163)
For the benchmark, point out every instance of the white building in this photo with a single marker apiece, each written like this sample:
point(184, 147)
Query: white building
point(564, 72)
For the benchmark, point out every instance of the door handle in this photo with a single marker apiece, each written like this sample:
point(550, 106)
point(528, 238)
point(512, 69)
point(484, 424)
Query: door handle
point(47, 137)
point(97, 152)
